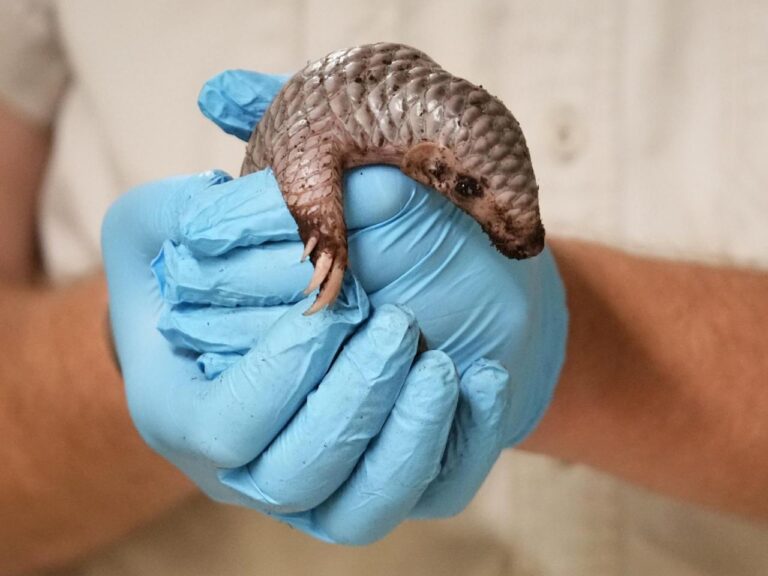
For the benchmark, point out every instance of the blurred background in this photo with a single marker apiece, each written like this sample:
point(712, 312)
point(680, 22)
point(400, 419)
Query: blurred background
point(647, 122)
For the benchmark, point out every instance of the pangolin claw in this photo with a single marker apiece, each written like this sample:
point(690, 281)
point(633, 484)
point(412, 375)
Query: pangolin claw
point(330, 290)
point(311, 243)
point(322, 267)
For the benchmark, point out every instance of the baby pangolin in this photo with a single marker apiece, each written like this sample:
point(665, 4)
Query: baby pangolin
point(392, 104)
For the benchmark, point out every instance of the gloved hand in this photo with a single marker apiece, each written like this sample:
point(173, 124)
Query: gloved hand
point(328, 413)
point(407, 246)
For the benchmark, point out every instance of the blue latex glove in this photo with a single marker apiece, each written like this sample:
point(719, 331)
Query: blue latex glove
point(326, 421)
point(408, 246)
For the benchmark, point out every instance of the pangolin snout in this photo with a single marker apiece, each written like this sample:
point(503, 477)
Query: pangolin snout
point(515, 238)
point(531, 245)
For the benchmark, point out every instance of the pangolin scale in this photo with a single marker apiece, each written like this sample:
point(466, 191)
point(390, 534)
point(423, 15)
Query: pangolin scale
point(392, 104)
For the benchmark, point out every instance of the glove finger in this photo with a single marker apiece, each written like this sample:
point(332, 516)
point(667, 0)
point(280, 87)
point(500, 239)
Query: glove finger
point(399, 464)
point(376, 194)
point(475, 441)
point(435, 252)
point(320, 447)
point(217, 329)
point(247, 211)
point(231, 420)
point(427, 228)
point(133, 230)
point(138, 222)
point(268, 276)
point(250, 211)
point(236, 100)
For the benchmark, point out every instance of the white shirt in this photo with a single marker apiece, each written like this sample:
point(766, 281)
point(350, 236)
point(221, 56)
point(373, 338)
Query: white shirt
point(648, 127)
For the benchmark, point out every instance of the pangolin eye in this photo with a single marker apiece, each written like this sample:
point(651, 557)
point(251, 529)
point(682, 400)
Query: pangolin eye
point(468, 187)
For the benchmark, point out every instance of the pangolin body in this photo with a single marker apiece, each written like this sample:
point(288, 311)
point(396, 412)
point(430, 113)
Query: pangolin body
point(392, 104)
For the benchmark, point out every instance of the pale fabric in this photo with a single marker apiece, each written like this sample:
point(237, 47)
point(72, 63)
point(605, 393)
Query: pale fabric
point(648, 125)
point(32, 65)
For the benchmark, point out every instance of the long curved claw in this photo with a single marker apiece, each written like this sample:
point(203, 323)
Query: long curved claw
point(322, 267)
point(311, 243)
point(330, 290)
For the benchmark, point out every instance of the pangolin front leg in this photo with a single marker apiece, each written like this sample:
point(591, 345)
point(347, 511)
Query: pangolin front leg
point(311, 186)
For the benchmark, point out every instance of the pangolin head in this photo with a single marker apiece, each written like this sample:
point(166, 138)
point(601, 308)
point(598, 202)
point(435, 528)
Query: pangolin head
point(498, 190)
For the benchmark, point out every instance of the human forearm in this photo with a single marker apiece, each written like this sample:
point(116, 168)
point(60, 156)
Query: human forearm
point(75, 473)
point(664, 381)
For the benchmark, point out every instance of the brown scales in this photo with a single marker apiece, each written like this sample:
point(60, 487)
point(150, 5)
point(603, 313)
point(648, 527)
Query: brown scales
point(392, 104)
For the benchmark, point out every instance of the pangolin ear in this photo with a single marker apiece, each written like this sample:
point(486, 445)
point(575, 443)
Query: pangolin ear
point(432, 165)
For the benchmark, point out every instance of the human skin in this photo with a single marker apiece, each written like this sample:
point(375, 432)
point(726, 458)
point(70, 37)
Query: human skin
point(664, 382)
point(665, 392)
point(75, 474)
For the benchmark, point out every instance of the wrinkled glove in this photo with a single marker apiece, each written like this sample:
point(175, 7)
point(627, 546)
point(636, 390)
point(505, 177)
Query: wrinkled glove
point(326, 421)
point(239, 268)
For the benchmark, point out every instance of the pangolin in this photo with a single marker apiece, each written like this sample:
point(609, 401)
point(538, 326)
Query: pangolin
point(392, 104)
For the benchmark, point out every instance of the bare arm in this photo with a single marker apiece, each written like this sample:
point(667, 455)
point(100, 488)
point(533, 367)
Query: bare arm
point(75, 474)
point(666, 377)
point(23, 153)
